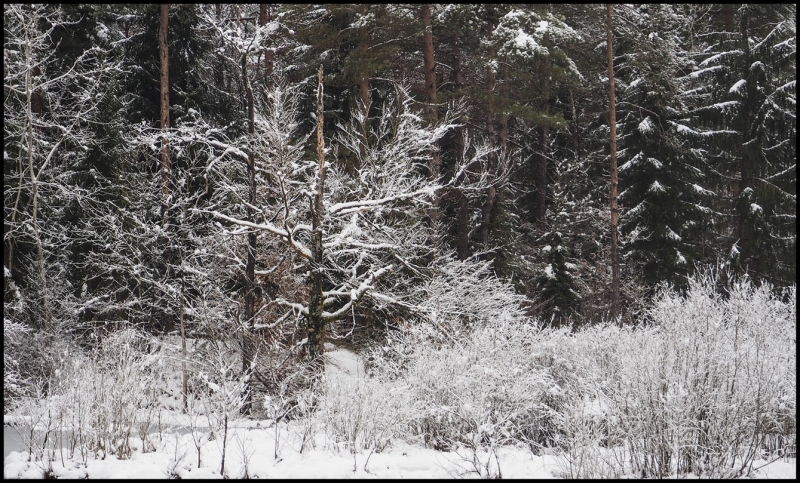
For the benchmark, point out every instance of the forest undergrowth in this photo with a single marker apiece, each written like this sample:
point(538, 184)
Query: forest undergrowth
point(704, 385)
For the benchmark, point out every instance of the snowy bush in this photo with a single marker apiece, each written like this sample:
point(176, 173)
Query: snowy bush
point(363, 413)
point(97, 402)
point(486, 389)
point(14, 382)
point(706, 388)
point(462, 295)
point(222, 391)
point(30, 358)
point(471, 366)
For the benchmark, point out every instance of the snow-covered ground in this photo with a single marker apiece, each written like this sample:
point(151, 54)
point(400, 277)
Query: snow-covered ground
point(177, 456)
point(399, 461)
point(262, 449)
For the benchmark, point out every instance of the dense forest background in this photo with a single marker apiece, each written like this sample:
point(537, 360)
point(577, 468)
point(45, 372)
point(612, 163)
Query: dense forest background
point(563, 229)
point(465, 147)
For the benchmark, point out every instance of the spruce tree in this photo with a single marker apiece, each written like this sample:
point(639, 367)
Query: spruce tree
point(660, 176)
point(745, 104)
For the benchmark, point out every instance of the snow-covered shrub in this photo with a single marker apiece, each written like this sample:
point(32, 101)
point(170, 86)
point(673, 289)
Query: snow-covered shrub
point(704, 388)
point(470, 365)
point(485, 389)
point(32, 422)
point(116, 391)
point(727, 379)
point(593, 439)
point(360, 413)
point(285, 380)
point(97, 402)
point(222, 389)
point(563, 356)
point(15, 335)
point(585, 446)
point(462, 295)
point(30, 358)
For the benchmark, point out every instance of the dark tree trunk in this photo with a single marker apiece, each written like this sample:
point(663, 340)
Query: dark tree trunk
point(316, 323)
point(38, 102)
point(264, 17)
point(727, 16)
point(165, 161)
point(166, 168)
point(363, 80)
point(462, 217)
point(434, 163)
point(488, 207)
point(248, 352)
point(576, 144)
point(540, 168)
point(612, 121)
point(748, 162)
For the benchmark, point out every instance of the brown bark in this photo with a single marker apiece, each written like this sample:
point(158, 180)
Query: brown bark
point(462, 217)
point(488, 207)
point(316, 323)
point(264, 17)
point(363, 80)
point(363, 47)
point(163, 49)
point(748, 160)
point(612, 121)
point(727, 16)
point(503, 159)
point(165, 161)
point(434, 164)
point(502, 105)
point(540, 168)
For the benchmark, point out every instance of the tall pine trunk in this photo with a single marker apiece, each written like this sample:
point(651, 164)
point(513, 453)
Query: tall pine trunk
point(488, 207)
point(434, 163)
point(462, 216)
point(265, 16)
point(612, 121)
point(165, 161)
point(540, 168)
point(748, 151)
point(363, 81)
point(166, 168)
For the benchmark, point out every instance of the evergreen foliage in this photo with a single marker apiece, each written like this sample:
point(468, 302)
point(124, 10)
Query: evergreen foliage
point(663, 188)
